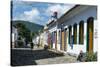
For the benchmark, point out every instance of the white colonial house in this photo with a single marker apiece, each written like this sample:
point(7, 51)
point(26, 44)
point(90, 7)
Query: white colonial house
point(42, 38)
point(14, 35)
point(36, 40)
point(75, 31)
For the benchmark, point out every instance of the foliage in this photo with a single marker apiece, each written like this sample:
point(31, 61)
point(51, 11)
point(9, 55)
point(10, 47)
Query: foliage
point(27, 29)
point(33, 27)
point(23, 31)
point(91, 56)
point(88, 57)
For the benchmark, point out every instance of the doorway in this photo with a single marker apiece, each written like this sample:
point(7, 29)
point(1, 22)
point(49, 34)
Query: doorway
point(90, 27)
point(56, 40)
point(62, 39)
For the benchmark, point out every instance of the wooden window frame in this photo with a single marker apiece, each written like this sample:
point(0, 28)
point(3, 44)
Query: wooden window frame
point(75, 33)
point(70, 34)
point(81, 32)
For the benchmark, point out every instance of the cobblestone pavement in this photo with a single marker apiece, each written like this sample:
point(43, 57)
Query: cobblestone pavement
point(57, 60)
point(38, 56)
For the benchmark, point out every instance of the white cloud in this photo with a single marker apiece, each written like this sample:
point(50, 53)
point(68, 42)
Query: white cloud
point(61, 9)
point(32, 15)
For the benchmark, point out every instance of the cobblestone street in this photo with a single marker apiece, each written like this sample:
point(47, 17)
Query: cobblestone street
point(38, 56)
point(57, 60)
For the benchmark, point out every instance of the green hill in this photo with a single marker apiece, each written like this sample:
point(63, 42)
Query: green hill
point(33, 27)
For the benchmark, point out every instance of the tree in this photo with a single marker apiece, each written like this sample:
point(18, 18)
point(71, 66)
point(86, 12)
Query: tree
point(23, 31)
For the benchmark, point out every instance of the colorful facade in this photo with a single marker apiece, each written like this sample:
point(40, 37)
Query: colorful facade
point(76, 30)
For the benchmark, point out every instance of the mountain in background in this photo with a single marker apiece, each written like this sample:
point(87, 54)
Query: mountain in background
point(33, 27)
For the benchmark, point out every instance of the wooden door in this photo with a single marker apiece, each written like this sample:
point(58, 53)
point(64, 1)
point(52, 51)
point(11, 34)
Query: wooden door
point(90, 35)
point(62, 40)
point(65, 47)
point(55, 40)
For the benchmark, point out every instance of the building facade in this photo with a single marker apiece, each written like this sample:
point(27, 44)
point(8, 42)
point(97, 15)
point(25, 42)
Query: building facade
point(75, 31)
point(14, 36)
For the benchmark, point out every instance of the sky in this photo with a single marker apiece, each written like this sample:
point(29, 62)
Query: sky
point(37, 12)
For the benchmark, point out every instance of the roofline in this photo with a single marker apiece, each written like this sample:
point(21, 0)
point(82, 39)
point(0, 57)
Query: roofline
point(68, 11)
point(64, 14)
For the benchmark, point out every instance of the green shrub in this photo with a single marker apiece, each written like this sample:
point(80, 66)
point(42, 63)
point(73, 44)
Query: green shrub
point(91, 56)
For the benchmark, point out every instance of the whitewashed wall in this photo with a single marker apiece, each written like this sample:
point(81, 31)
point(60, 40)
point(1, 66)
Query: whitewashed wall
point(14, 35)
point(45, 38)
point(95, 46)
point(84, 15)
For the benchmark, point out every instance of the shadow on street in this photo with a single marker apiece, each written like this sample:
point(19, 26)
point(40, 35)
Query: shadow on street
point(28, 57)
